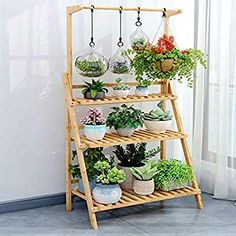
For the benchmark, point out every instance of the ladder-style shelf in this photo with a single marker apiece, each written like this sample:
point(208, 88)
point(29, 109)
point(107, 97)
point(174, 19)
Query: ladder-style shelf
point(129, 198)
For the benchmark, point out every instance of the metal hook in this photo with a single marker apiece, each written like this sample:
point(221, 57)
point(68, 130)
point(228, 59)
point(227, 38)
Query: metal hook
point(138, 22)
point(164, 13)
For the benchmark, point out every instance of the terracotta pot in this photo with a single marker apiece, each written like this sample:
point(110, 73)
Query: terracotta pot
point(165, 66)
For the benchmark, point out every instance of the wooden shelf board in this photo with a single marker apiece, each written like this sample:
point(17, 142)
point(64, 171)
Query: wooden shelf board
point(129, 99)
point(129, 198)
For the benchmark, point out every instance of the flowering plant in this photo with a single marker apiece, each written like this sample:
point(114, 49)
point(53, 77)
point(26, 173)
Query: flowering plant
point(94, 117)
point(164, 61)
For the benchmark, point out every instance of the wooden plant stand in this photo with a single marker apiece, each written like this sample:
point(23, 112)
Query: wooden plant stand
point(129, 198)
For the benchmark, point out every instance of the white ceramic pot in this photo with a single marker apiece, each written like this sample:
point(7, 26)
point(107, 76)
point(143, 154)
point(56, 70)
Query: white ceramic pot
point(142, 91)
point(107, 194)
point(121, 93)
point(143, 187)
point(94, 132)
point(157, 126)
point(128, 183)
point(127, 132)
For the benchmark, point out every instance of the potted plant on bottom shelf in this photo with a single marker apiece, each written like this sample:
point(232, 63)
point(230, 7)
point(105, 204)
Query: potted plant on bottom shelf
point(172, 174)
point(91, 156)
point(157, 120)
point(107, 190)
point(132, 155)
point(125, 120)
point(121, 89)
point(94, 124)
point(144, 182)
point(94, 90)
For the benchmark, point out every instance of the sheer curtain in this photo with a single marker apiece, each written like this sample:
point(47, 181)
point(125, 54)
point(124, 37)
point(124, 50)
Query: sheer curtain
point(214, 143)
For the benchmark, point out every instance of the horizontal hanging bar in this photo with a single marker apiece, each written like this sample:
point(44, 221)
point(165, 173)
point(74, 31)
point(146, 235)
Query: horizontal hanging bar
point(169, 12)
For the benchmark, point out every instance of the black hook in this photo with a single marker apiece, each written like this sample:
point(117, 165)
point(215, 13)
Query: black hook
point(164, 13)
point(138, 22)
point(92, 44)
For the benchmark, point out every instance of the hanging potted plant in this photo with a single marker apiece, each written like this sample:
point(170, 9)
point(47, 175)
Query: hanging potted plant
point(94, 124)
point(144, 182)
point(125, 120)
point(157, 120)
point(121, 89)
point(107, 190)
point(132, 156)
point(94, 90)
point(91, 156)
point(172, 174)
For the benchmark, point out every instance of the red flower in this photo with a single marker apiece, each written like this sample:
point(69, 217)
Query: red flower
point(185, 51)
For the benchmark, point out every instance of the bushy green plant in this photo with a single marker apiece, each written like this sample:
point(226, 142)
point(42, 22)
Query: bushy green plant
point(146, 172)
point(120, 86)
point(125, 117)
point(134, 154)
point(107, 174)
point(172, 173)
point(94, 88)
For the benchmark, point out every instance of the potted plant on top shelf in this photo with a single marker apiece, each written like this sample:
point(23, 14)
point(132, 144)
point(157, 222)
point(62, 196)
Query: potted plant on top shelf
point(121, 89)
point(94, 124)
point(94, 90)
point(108, 191)
point(125, 119)
point(157, 120)
point(132, 156)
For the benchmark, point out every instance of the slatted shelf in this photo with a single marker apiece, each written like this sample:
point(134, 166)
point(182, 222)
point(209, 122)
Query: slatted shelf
point(129, 99)
point(129, 198)
point(112, 139)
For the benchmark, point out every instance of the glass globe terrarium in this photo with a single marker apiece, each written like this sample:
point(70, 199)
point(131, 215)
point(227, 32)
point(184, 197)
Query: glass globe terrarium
point(138, 40)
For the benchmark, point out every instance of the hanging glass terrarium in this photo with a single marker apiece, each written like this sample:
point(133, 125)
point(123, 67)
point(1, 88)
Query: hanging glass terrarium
point(91, 64)
point(120, 63)
point(138, 39)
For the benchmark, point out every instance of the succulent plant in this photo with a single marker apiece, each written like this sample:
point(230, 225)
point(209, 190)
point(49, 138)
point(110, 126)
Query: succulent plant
point(94, 117)
point(94, 88)
point(120, 86)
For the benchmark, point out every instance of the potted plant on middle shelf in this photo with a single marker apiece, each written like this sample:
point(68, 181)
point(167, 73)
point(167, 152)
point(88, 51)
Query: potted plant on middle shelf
point(121, 89)
point(132, 155)
point(94, 124)
point(125, 119)
point(142, 87)
point(108, 191)
point(157, 120)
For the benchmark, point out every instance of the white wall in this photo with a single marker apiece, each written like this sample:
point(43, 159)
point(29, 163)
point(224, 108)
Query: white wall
point(32, 58)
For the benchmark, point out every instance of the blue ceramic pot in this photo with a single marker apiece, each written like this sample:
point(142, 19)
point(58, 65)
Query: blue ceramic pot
point(142, 91)
point(92, 184)
point(107, 194)
point(94, 132)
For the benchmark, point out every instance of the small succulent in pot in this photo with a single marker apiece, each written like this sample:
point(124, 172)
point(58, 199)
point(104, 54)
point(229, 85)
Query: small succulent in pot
point(125, 119)
point(144, 182)
point(108, 191)
point(142, 87)
point(121, 89)
point(157, 120)
point(94, 90)
point(94, 124)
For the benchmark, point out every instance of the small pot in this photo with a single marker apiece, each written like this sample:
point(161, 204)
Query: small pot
point(107, 194)
point(121, 93)
point(142, 187)
point(94, 132)
point(165, 65)
point(128, 183)
point(127, 132)
point(157, 126)
point(99, 95)
point(92, 184)
point(142, 91)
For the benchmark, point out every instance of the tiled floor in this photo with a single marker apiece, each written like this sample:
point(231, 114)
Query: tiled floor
point(173, 217)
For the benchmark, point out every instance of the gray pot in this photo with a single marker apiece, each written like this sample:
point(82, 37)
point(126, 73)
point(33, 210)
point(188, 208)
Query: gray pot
point(100, 95)
point(128, 183)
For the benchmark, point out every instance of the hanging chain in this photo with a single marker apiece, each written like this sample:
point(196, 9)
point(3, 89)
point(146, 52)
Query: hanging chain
point(138, 22)
point(120, 43)
point(92, 44)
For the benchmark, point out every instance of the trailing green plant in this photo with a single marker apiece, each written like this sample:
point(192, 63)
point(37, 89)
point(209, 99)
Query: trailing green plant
point(91, 156)
point(120, 86)
point(172, 173)
point(134, 154)
point(146, 172)
point(158, 114)
point(94, 87)
point(125, 117)
point(108, 174)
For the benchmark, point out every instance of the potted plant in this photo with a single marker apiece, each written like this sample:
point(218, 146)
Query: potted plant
point(157, 120)
point(142, 87)
point(121, 89)
point(94, 90)
point(108, 191)
point(125, 119)
point(132, 155)
point(172, 174)
point(91, 156)
point(94, 124)
point(165, 61)
point(144, 182)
